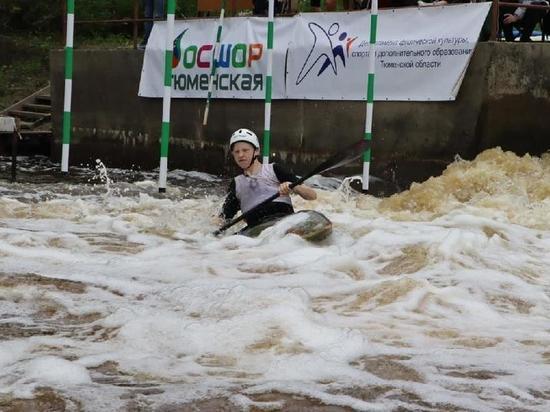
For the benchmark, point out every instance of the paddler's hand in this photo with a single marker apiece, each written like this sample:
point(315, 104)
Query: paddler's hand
point(217, 220)
point(284, 189)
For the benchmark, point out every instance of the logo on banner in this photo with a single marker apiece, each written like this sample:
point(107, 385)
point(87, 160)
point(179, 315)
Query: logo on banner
point(238, 55)
point(176, 52)
point(318, 56)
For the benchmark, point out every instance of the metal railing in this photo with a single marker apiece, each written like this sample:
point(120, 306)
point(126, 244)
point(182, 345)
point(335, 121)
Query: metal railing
point(495, 12)
point(135, 20)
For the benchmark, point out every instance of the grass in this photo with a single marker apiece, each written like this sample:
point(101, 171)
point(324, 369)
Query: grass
point(24, 67)
point(24, 60)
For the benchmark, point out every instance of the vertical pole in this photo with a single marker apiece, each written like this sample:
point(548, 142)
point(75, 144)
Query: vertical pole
point(11, 125)
point(166, 99)
point(370, 92)
point(64, 19)
point(135, 24)
point(14, 155)
point(68, 87)
point(495, 10)
point(268, 82)
point(213, 67)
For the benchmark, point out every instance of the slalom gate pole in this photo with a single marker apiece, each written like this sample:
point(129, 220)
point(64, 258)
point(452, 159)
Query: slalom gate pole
point(66, 136)
point(213, 68)
point(268, 82)
point(370, 92)
point(166, 99)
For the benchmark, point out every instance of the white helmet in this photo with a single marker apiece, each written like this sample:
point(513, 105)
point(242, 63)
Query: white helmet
point(244, 135)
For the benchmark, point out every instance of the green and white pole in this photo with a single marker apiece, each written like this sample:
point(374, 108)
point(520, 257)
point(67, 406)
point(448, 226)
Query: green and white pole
point(370, 92)
point(66, 137)
point(166, 99)
point(268, 82)
point(213, 68)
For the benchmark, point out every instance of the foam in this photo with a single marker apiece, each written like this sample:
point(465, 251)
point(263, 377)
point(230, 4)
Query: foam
point(433, 298)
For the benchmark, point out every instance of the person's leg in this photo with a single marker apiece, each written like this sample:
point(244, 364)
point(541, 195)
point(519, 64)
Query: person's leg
point(260, 7)
point(148, 25)
point(529, 21)
point(158, 9)
point(507, 29)
point(330, 5)
point(545, 26)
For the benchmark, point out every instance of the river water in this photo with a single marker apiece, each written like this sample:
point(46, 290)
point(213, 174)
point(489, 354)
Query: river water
point(113, 297)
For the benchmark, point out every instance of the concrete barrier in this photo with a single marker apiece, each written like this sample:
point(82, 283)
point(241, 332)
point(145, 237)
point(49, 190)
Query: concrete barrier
point(504, 101)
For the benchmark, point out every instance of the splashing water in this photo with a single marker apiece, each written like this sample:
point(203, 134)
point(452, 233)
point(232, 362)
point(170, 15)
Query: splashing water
point(345, 188)
point(495, 180)
point(436, 298)
point(101, 169)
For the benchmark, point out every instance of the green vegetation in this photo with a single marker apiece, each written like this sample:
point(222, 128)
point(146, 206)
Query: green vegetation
point(24, 67)
point(46, 16)
point(30, 28)
point(24, 60)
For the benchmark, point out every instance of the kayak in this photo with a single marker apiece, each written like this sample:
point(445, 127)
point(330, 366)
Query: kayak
point(308, 224)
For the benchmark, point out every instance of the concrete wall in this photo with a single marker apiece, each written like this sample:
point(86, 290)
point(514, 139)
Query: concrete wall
point(504, 100)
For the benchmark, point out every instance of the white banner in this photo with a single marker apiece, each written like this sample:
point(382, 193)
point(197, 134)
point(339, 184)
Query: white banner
point(241, 59)
point(422, 54)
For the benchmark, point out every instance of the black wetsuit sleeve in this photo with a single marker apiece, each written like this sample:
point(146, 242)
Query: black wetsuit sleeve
point(231, 205)
point(283, 174)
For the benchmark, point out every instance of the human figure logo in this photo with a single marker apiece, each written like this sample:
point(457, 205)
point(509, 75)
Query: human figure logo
point(318, 55)
point(176, 54)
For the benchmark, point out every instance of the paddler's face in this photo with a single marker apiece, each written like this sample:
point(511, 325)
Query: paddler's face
point(243, 153)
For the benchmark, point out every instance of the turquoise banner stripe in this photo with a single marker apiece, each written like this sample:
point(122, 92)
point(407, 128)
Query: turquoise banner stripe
point(373, 26)
point(168, 67)
point(171, 9)
point(70, 6)
point(164, 139)
point(370, 88)
point(267, 141)
point(366, 156)
point(68, 62)
point(270, 35)
point(268, 88)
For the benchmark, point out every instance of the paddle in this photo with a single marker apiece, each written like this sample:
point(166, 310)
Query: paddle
point(350, 153)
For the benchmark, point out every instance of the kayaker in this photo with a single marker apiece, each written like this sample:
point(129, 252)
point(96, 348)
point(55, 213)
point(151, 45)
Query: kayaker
point(259, 181)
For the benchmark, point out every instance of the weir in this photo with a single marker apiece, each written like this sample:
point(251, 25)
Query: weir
point(503, 101)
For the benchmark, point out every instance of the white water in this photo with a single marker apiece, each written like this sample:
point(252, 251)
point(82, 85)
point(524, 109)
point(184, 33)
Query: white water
point(434, 299)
